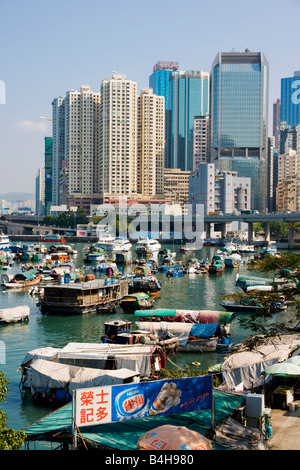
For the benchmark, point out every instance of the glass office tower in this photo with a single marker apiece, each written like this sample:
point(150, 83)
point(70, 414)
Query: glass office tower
point(239, 118)
point(189, 97)
point(159, 82)
point(290, 100)
point(159, 79)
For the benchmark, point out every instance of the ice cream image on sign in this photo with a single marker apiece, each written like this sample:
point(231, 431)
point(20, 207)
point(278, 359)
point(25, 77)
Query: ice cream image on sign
point(168, 397)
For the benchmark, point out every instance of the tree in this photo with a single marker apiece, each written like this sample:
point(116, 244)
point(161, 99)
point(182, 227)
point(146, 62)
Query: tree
point(286, 267)
point(9, 439)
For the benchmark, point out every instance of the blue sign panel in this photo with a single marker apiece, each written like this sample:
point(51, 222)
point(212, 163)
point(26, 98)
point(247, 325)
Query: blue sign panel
point(161, 397)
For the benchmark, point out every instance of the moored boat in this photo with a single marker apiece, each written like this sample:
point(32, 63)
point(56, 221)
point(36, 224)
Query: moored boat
point(138, 301)
point(90, 296)
point(14, 315)
point(147, 246)
point(4, 242)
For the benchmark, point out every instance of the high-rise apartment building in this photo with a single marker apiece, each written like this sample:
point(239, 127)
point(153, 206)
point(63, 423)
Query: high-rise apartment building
point(201, 140)
point(276, 121)
point(239, 118)
point(82, 140)
point(58, 146)
point(48, 176)
point(150, 143)
point(189, 97)
point(176, 187)
point(40, 191)
point(76, 143)
point(290, 100)
point(118, 131)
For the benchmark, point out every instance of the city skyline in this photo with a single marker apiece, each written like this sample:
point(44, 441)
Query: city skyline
point(44, 56)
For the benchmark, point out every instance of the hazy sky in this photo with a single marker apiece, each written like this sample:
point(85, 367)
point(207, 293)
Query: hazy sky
point(50, 47)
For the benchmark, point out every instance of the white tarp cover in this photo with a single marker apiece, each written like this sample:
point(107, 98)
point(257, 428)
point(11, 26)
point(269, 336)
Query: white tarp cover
point(48, 353)
point(247, 366)
point(46, 374)
point(16, 313)
point(164, 328)
point(134, 357)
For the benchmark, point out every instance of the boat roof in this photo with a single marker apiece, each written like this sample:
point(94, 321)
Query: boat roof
point(161, 312)
point(85, 285)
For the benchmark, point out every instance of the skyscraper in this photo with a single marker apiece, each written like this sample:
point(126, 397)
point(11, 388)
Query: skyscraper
point(48, 176)
point(159, 82)
point(151, 143)
point(276, 120)
point(58, 146)
point(159, 79)
point(189, 97)
point(239, 118)
point(76, 143)
point(290, 100)
point(118, 130)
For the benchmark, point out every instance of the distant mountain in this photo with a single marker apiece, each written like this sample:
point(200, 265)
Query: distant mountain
point(17, 197)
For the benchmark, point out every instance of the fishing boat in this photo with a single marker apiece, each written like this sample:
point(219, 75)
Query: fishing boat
point(53, 239)
point(217, 265)
point(247, 249)
point(4, 242)
point(148, 284)
point(191, 337)
point(175, 271)
point(138, 301)
point(253, 306)
point(14, 315)
point(233, 260)
point(120, 332)
point(95, 255)
point(147, 246)
point(88, 296)
point(64, 248)
point(32, 277)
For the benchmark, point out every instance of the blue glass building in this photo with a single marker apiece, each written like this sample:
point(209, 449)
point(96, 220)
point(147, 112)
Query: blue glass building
point(159, 82)
point(239, 118)
point(290, 100)
point(189, 97)
point(159, 79)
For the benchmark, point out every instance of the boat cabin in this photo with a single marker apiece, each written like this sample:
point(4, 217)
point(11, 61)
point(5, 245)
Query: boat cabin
point(83, 297)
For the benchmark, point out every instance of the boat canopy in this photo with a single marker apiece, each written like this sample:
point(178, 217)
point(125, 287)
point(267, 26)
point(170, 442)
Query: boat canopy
point(182, 331)
point(137, 296)
point(47, 374)
point(245, 367)
point(155, 313)
point(189, 316)
point(29, 275)
point(21, 312)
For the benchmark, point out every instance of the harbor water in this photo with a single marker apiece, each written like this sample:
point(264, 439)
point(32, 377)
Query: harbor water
point(192, 291)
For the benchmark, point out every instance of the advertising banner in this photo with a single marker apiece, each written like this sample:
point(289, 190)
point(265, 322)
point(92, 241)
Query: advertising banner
point(99, 405)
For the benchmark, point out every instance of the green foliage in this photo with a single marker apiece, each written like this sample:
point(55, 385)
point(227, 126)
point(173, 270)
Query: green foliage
point(285, 266)
point(9, 439)
point(278, 229)
point(67, 219)
point(192, 370)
